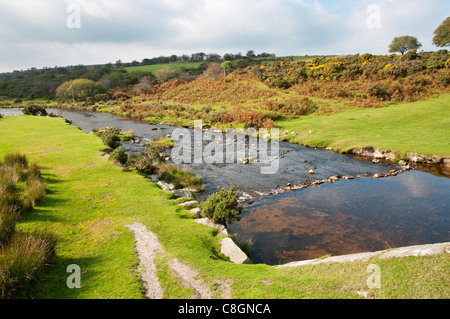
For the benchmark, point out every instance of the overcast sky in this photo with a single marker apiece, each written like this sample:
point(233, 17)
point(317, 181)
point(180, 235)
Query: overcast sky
point(38, 33)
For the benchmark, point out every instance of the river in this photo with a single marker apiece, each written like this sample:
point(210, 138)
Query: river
point(347, 216)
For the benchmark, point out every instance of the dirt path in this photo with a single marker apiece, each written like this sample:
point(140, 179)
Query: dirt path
point(190, 278)
point(148, 247)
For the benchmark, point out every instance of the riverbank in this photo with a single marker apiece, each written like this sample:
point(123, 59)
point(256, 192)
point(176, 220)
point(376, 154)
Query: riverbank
point(416, 132)
point(413, 132)
point(90, 202)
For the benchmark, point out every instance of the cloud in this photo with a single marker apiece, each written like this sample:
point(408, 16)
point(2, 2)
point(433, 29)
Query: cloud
point(135, 29)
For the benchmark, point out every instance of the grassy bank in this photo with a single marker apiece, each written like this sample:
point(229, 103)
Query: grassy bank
point(421, 127)
point(90, 200)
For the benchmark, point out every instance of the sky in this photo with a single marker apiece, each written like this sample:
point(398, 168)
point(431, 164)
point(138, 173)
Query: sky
point(48, 33)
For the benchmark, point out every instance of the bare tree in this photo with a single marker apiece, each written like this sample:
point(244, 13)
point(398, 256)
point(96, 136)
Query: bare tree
point(144, 86)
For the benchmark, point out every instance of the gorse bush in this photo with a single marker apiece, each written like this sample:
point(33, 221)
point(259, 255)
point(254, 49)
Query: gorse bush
point(285, 74)
point(222, 207)
point(119, 154)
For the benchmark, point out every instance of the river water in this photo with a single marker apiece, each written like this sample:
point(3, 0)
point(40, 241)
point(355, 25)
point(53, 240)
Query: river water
point(348, 216)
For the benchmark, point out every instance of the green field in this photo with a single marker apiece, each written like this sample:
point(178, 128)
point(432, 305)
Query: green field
point(155, 67)
point(189, 65)
point(421, 127)
point(90, 200)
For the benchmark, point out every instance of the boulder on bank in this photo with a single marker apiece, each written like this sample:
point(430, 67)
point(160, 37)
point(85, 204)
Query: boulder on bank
point(182, 193)
point(166, 186)
point(231, 250)
point(446, 162)
point(196, 211)
point(208, 222)
point(190, 203)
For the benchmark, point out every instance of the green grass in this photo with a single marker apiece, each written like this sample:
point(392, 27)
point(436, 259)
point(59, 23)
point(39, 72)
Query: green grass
point(90, 200)
point(155, 67)
point(421, 127)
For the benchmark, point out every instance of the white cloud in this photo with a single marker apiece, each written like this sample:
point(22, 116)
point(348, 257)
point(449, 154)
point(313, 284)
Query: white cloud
point(95, 9)
point(134, 29)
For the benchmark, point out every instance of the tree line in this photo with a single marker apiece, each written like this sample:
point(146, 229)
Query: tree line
point(42, 83)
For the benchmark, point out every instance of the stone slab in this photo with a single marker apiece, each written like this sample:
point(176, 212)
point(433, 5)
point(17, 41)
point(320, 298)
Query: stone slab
point(418, 250)
point(189, 203)
point(230, 249)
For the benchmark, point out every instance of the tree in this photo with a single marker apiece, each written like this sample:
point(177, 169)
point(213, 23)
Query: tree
point(228, 57)
point(442, 34)
point(166, 74)
point(250, 54)
point(213, 71)
point(79, 90)
point(173, 58)
point(144, 86)
point(225, 66)
point(404, 44)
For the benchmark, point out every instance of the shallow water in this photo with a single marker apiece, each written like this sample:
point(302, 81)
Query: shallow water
point(344, 217)
point(348, 216)
point(294, 164)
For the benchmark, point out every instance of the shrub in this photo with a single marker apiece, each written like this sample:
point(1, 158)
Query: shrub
point(160, 144)
point(109, 135)
point(35, 110)
point(378, 91)
point(144, 163)
point(119, 155)
point(127, 135)
point(222, 207)
point(180, 177)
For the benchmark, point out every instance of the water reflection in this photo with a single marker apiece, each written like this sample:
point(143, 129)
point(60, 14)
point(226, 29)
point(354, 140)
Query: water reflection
point(348, 216)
